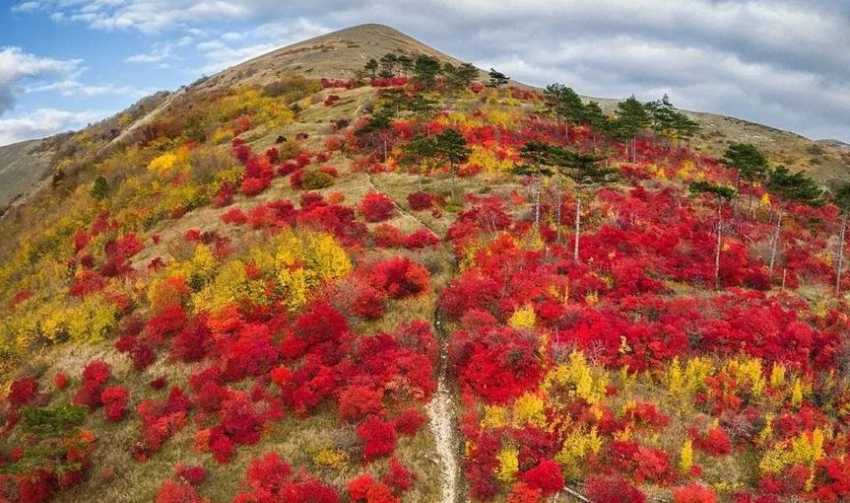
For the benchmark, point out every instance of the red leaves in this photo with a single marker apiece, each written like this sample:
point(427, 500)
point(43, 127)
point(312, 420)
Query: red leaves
point(177, 492)
point(497, 364)
point(694, 493)
point(400, 278)
point(192, 475)
point(234, 216)
point(253, 186)
point(379, 438)
point(419, 201)
point(376, 207)
point(95, 375)
point(272, 480)
point(22, 392)
point(114, 400)
point(612, 490)
point(357, 401)
point(546, 476)
point(714, 442)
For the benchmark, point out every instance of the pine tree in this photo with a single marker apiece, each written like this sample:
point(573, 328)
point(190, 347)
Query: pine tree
point(497, 79)
point(723, 193)
point(632, 118)
point(100, 188)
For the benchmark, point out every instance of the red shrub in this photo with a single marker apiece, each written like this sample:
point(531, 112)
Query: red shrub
point(398, 476)
point(376, 207)
point(192, 475)
point(357, 401)
point(95, 375)
point(419, 201)
point(23, 391)
point(379, 438)
point(253, 186)
point(400, 278)
point(497, 364)
point(546, 476)
point(61, 380)
point(409, 422)
point(612, 490)
point(234, 216)
point(176, 492)
point(114, 400)
point(694, 493)
point(422, 238)
point(715, 442)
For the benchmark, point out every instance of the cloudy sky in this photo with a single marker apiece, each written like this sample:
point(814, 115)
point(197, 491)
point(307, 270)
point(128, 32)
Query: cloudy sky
point(786, 63)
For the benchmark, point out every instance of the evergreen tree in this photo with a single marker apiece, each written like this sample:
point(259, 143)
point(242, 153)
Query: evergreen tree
point(451, 146)
point(100, 188)
point(425, 71)
point(795, 186)
point(564, 103)
point(421, 152)
point(458, 78)
point(405, 64)
point(372, 67)
point(632, 118)
point(497, 79)
point(388, 63)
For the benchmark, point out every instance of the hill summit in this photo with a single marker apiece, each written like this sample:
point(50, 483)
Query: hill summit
point(358, 270)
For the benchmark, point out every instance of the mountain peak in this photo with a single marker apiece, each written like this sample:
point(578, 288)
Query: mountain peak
point(338, 54)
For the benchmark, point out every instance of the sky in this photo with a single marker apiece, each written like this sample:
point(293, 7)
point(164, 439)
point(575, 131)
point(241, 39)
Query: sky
point(784, 63)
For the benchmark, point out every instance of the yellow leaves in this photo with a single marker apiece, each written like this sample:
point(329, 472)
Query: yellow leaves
point(685, 382)
point(528, 409)
point(686, 457)
point(488, 160)
point(331, 458)
point(579, 377)
point(805, 449)
point(777, 376)
point(168, 162)
point(797, 393)
point(577, 445)
point(508, 464)
point(764, 202)
point(494, 416)
point(748, 371)
point(523, 317)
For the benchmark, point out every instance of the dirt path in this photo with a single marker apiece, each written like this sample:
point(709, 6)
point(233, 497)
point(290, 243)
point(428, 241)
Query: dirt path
point(443, 409)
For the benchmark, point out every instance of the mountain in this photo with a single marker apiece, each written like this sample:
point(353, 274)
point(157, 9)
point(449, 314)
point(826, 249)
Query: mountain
point(292, 282)
point(342, 53)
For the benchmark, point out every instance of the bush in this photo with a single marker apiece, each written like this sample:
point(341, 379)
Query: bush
point(613, 489)
point(22, 392)
point(546, 476)
point(400, 278)
point(114, 400)
point(315, 180)
point(376, 207)
point(379, 438)
point(694, 493)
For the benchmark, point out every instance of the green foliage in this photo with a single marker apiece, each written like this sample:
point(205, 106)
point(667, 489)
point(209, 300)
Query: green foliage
point(372, 67)
point(100, 188)
point(458, 78)
point(751, 163)
point(425, 71)
point(721, 191)
point(565, 103)
point(668, 122)
point(451, 146)
point(841, 197)
point(632, 117)
point(52, 421)
point(315, 179)
point(795, 186)
point(497, 79)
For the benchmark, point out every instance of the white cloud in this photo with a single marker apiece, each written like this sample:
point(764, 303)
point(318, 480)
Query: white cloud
point(71, 87)
point(775, 61)
point(17, 67)
point(158, 54)
point(44, 122)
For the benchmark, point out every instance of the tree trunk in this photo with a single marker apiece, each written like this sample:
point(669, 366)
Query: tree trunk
point(558, 226)
point(719, 243)
point(578, 228)
point(775, 241)
point(840, 261)
point(454, 181)
point(537, 203)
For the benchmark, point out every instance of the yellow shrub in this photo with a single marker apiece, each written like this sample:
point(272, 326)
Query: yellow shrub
point(578, 376)
point(523, 317)
point(804, 449)
point(529, 409)
point(577, 445)
point(686, 457)
point(508, 464)
point(494, 417)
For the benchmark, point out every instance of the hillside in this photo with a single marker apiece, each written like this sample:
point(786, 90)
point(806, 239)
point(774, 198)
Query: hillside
point(296, 282)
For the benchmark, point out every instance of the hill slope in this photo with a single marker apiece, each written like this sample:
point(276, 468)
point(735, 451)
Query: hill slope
point(270, 287)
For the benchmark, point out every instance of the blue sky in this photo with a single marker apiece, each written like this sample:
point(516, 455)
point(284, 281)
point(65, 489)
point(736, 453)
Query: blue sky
point(65, 63)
